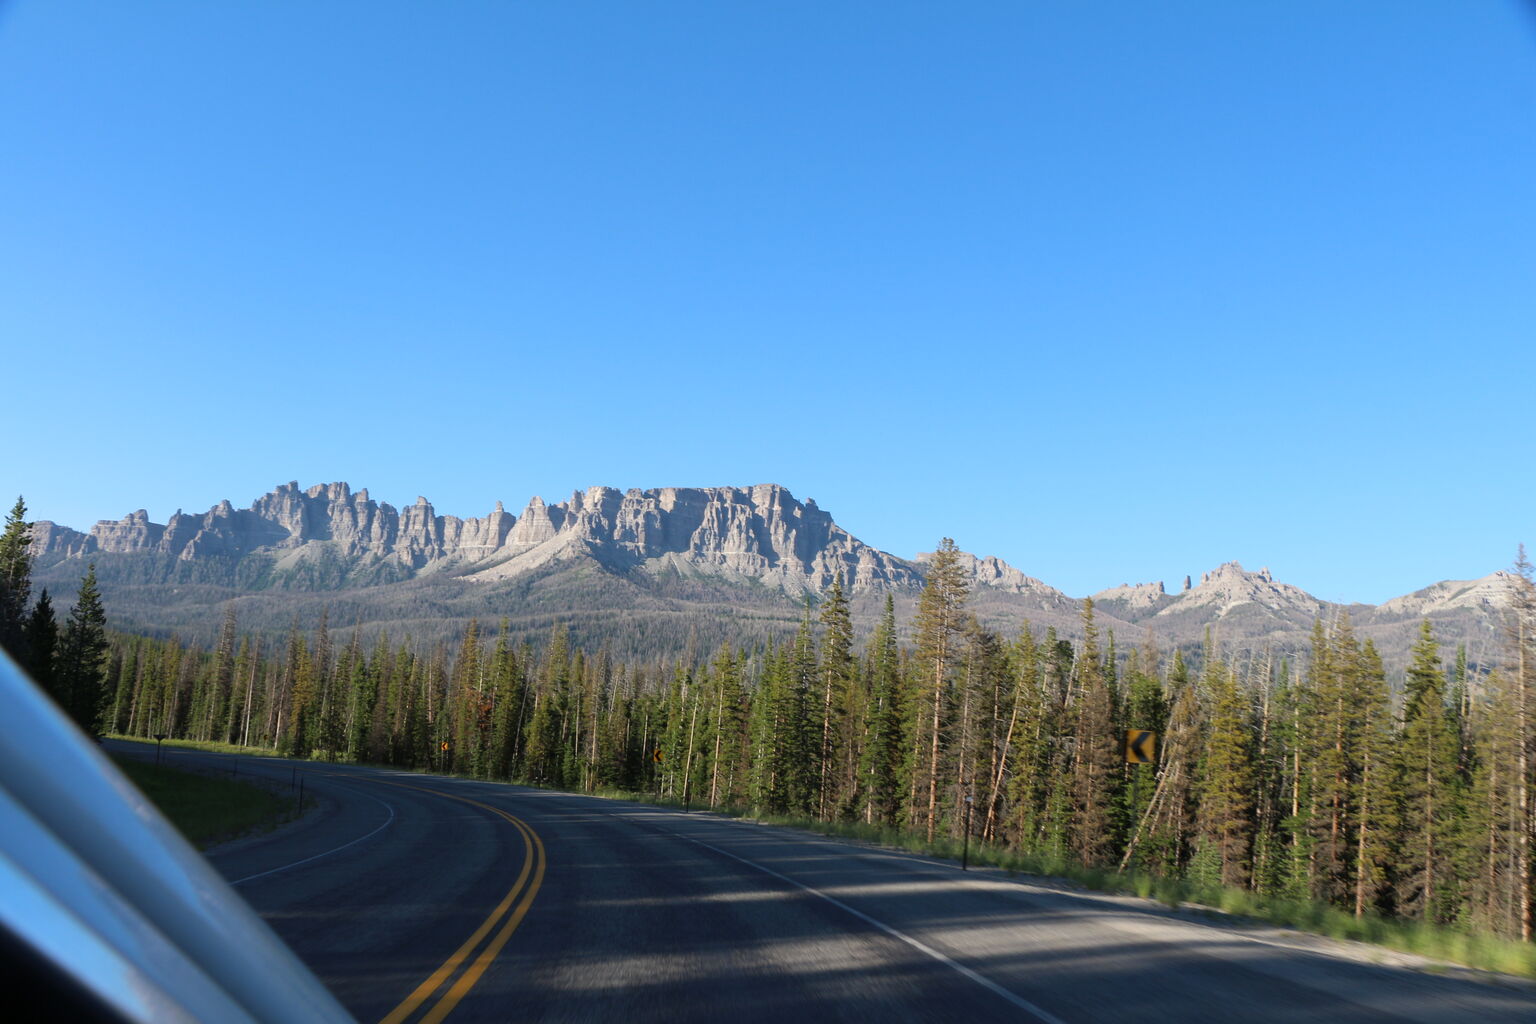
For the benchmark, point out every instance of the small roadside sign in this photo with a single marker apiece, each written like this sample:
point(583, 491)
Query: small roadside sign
point(1140, 746)
point(658, 756)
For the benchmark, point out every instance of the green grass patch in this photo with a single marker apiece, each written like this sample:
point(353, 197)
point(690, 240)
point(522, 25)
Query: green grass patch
point(208, 809)
point(212, 747)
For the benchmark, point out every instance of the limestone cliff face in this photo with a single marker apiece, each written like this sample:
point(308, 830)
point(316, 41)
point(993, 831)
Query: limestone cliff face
point(348, 525)
point(760, 533)
point(1132, 600)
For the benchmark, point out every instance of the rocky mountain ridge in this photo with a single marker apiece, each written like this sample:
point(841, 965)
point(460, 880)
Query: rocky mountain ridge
point(1227, 590)
point(759, 532)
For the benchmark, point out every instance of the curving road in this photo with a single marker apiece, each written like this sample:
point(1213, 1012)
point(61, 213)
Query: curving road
point(416, 897)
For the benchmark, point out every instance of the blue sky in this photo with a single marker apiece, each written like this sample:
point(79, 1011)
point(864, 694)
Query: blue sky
point(1114, 291)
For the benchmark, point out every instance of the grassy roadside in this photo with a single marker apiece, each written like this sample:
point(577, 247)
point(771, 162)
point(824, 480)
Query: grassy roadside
point(1482, 952)
point(210, 747)
point(207, 809)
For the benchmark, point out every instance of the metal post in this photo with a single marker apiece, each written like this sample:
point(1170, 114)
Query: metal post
point(301, 792)
point(965, 849)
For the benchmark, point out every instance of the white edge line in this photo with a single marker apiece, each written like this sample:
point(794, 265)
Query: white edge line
point(987, 983)
point(387, 822)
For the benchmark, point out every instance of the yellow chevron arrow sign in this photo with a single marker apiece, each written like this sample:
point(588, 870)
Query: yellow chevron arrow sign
point(1140, 746)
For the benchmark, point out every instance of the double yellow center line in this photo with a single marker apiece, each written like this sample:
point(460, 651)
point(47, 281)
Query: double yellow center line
point(506, 914)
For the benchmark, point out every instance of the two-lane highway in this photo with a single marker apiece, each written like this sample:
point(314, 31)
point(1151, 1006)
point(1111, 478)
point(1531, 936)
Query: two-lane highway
point(399, 896)
point(412, 896)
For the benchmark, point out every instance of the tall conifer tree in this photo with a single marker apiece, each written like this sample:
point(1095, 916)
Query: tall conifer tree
point(1096, 759)
point(880, 756)
point(79, 680)
point(939, 621)
point(15, 579)
point(837, 670)
point(1426, 779)
point(1226, 778)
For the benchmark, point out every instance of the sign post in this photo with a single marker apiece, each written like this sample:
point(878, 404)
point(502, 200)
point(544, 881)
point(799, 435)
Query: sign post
point(158, 738)
point(965, 846)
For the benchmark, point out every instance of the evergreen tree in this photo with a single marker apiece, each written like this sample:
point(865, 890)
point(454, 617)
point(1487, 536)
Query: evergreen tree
point(1329, 757)
point(1061, 732)
point(15, 580)
point(1426, 780)
point(837, 678)
point(880, 756)
point(363, 698)
point(436, 750)
point(79, 678)
point(727, 728)
point(1163, 837)
point(1374, 799)
point(247, 661)
point(221, 682)
point(329, 734)
point(41, 641)
point(994, 690)
point(1273, 856)
point(938, 624)
point(125, 655)
point(471, 706)
point(299, 687)
point(1520, 638)
point(1226, 778)
point(1489, 833)
point(794, 746)
point(542, 761)
point(1096, 756)
point(1461, 709)
point(510, 692)
point(1146, 708)
point(1028, 743)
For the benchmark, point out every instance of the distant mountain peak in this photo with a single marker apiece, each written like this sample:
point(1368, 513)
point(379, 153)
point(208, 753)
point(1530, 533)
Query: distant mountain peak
point(1223, 591)
point(1489, 593)
point(1130, 600)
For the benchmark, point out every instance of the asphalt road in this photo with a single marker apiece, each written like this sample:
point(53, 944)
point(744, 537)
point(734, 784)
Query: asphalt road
point(418, 897)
